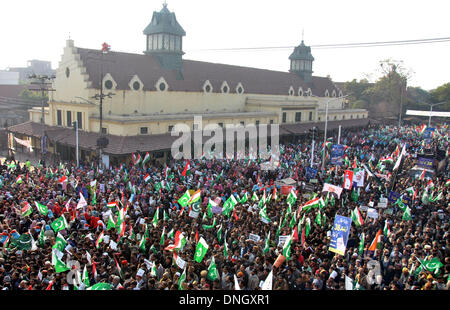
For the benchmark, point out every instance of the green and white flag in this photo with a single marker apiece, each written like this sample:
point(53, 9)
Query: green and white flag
point(263, 214)
point(229, 205)
point(59, 224)
point(43, 209)
point(183, 201)
point(361, 245)
point(58, 264)
point(111, 223)
point(182, 280)
point(407, 215)
point(143, 239)
point(267, 246)
point(319, 218)
point(27, 210)
point(386, 229)
point(255, 197)
point(287, 247)
point(213, 274)
point(433, 265)
point(292, 197)
point(100, 287)
point(41, 238)
point(219, 234)
point(211, 204)
point(156, 218)
point(85, 277)
point(200, 251)
point(60, 242)
point(161, 241)
point(244, 198)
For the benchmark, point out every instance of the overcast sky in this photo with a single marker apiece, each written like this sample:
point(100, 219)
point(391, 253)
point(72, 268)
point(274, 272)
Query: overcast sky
point(39, 29)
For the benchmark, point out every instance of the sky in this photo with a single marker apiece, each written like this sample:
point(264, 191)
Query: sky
point(39, 30)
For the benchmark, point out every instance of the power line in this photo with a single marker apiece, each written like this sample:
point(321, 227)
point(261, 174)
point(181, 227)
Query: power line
point(340, 45)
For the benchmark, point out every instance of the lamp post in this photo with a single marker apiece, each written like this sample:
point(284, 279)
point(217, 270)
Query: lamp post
point(431, 110)
point(326, 125)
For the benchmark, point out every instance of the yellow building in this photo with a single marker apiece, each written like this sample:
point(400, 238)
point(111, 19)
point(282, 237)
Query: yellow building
point(151, 92)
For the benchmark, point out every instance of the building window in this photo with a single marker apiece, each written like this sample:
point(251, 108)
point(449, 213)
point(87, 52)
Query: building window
point(357, 115)
point(319, 118)
point(300, 91)
point(136, 85)
point(284, 117)
point(108, 84)
point(170, 128)
point(80, 120)
point(69, 119)
point(335, 117)
point(310, 116)
point(59, 117)
point(351, 116)
point(242, 123)
point(208, 88)
point(104, 131)
point(144, 130)
point(67, 72)
point(257, 122)
point(343, 116)
point(271, 121)
point(291, 91)
point(221, 125)
point(298, 117)
point(194, 126)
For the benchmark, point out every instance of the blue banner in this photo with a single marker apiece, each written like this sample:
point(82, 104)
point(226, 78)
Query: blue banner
point(425, 163)
point(393, 196)
point(339, 234)
point(428, 134)
point(337, 154)
point(310, 173)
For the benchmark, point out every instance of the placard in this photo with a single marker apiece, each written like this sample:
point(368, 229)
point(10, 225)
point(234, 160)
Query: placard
point(216, 210)
point(388, 211)
point(363, 208)
point(393, 196)
point(282, 240)
point(372, 213)
point(310, 173)
point(339, 234)
point(426, 163)
point(337, 153)
point(254, 237)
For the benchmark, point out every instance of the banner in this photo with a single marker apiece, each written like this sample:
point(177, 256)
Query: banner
point(339, 234)
point(332, 189)
point(337, 154)
point(348, 179)
point(285, 190)
point(359, 177)
point(282, 240)
point(428, 134)
point(216, 210)
point(24, 143)
point(310, 173)
point(393, 196)
point(254, 237)
point(426, 163)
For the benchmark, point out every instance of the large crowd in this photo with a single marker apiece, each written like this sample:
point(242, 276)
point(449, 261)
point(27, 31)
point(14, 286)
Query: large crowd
point(126, 227)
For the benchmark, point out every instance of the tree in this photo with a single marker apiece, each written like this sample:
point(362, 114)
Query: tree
point(32, 95)
point(441, 94)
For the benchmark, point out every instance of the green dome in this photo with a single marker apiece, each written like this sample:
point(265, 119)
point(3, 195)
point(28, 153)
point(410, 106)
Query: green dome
point(302, 52)
point(164, 22)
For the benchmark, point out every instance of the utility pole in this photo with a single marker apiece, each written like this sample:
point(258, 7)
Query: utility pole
point(75, 125)
point(312, 146)
point(43, 81)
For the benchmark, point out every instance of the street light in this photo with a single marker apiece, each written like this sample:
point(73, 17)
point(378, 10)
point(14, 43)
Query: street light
point(431, 110)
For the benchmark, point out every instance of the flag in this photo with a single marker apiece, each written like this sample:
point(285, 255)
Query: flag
point(267, 285)
point(267, 246)
point(213, 274)
point(147, 178)
point(58, 264)
point(357, 218)
point(291, 198)
point(156, 218)
point(194, 198)
point(433, 265)
point(255, 197)
point(287, 247)
point(361, 245)
point(407, 214)
point(225, 249)
point(41, 238)
point(82, 202)
point(386, 229)
point(229, 205)
point(59, 224)
point(101, 286)
point(348, 179)
point(85, 277)
point(183, 201)
point(386, 160)
point(355, 195)
point(236, 284)
point(375, 242)
point(143, 239)
point(422, 175)
point(244, 198)
point(62, 179)
point(136, 159)
point(211, 204)
point(43, 209)
point(18, 180)
point(319, 218)
point(180, 241)
point(161, 241)
point(447, 183)
point(99, 240)
point(26, 210)
point(112, 204)
point(187, 169)
point(111, 223)
point(307, 227)
point(314, 203)
point(146, 158)
point(60, 243)
point(181, 280)
point(263, 214)
point(200, 251)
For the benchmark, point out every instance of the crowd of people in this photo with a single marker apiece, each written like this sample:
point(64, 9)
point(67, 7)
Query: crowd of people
point(68, 228)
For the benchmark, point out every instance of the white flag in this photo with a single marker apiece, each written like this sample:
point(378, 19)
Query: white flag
point(267, 286)
point(236, 284)
point(88, 257)
point(348, 283)
point(82, 202)
point(399, 159)
point(332, 189)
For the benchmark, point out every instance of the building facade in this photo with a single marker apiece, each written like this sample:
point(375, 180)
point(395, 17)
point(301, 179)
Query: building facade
point(150, 93)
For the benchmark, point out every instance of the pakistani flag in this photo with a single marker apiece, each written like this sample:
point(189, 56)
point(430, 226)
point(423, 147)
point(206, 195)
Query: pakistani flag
point(361, 245)
point(433, 265)
point(407, 215)
point(60, 243)
point(229, 205)
point(255, 197)
point(156, 218)
point(85, 277)
point(287, 247)
point(263, 214)
point(213, 274)
point(244, 198)
point(225, 249)
point(219, 234)
point(182, 279)
point(357, 218)
point(143, 239)
point(146, 159)
point(355, 195)
point(111, 223)
point(292, 197)
point(200, 251)
point(27, 210)
point(59, 224)
point(319, 219)
point(58, 264)
point(211, 204)
point(400, 203)
point(267, 246)
point(100, 287)
point(183, 201)
point(43, 209)
point(41, 238)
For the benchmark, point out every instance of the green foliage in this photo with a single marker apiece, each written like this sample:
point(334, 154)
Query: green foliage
point(32, 95)
point(441, 94)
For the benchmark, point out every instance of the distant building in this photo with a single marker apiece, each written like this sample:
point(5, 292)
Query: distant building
point(38, 67)
point(155, 90)
point(9, 78)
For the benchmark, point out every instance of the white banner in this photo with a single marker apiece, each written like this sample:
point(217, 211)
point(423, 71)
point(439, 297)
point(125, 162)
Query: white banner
point(359, 178)
point(254, 237)
point(282, 240)
point(180, 262)
point(332, 189)
point(24, 143)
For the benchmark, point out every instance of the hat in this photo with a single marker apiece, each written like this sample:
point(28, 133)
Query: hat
point(240, 274)
point(405, 269)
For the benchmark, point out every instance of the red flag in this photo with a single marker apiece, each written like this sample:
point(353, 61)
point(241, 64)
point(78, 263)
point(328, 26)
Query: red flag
point(422, 175)
point(49, 287)
point(303, 236)
point(235, 215)
point(185, 169)
point(196, 236)
point(94, 270)
point(295, 236)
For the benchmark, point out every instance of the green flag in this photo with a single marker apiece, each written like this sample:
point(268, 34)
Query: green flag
point(85, 277)
point(213, 274)
point(244, 198)
point(101, 287)
point(200, 251)
point(229, 205)
point(407, 215)
point(183, 201)
point(23, 242)
point(156, 218)
point(59, 224)
point(111, 223)
point(355, 195)
point(319, 219)
point(361, 245)
point(182, 279)
point(43, 209)
point(263, 214)
point(143, 239)
point(58, 264)
point(287, 248)
point(266, 246)
point(60, 242)
point(219, 234)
